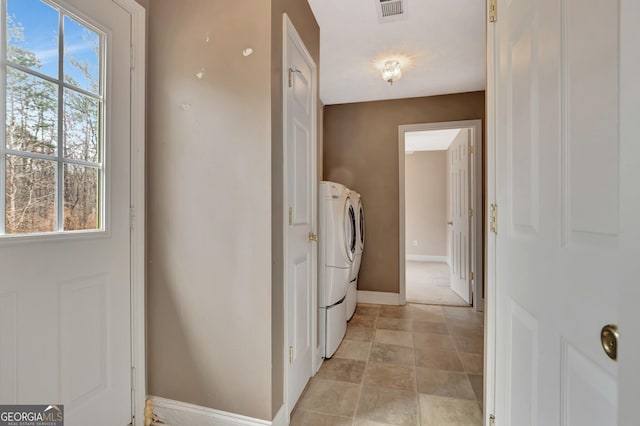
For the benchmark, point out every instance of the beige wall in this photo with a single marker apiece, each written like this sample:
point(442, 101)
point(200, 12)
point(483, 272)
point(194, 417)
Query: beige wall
point(214, 291)
point(426, 203)
point(361, 151)
point(209, 205)
point(303, 20)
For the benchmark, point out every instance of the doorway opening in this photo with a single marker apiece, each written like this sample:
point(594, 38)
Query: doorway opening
point(440, 166)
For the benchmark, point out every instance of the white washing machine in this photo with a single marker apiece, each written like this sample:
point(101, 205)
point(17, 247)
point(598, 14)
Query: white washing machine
point(352, 288)
point(337, 248)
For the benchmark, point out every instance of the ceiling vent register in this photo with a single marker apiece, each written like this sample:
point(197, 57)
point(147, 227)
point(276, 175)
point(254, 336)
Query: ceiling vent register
point(391, 10)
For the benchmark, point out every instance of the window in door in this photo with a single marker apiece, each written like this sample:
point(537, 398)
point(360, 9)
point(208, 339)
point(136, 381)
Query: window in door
point(52, 148)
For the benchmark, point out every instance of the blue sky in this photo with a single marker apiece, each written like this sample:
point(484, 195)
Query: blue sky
point(40, 24)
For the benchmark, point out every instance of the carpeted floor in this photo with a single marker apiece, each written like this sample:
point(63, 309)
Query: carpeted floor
point(430, 283)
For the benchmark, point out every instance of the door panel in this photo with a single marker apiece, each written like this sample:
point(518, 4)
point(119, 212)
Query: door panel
point(65, 299)
point(300, 178)
point(460, 204)
point(557, 189)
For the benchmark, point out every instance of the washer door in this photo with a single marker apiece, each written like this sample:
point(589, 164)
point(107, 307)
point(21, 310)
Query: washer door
point(361, 225)
point(350, 230)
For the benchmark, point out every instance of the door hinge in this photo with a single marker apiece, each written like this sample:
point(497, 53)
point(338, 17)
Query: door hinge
point(493, 219)
point(470, 149)
point(471, 276)
point(470, 212)
point(290, 354)
point(493, 10)
point(132, 217)
point(291, 71)
point(492, 420)
point(290, 215)
point(313, 237)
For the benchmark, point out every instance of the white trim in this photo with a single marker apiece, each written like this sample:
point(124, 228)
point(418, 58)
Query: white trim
point(289, 34)
point(490, 246)
point(475, 127)
point(282, 417)
point(378, 297)
point(426, 258)
point(177, 413)
point(138, 124)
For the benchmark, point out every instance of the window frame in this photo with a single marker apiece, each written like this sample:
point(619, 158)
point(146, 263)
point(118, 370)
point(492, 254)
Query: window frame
point(58, 158)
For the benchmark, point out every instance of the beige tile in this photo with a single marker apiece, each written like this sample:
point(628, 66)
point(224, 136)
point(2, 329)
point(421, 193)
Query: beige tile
point(331, 397)
point(372, 310)
point(444, 383)
point(441, 342)
point(477, 383)
point(388, 406)
point(437, 359)
point(419, 307)
point(392, 376)
point(308, 418)
point(394, 324)
point(459, 312)
point(393, 337)
point(358, 320)
point(465, 329)
point(346, 370)
point(388, 311)
point(352, 349)
point(442, 411)
point(427, 316)
point(472, 363)
point(433, 327)
point(392, 353)
point(365, 422)
point(361, 334)
point(472, 345)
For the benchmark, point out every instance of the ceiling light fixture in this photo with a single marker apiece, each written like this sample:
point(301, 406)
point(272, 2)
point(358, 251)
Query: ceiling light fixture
point(391, 71)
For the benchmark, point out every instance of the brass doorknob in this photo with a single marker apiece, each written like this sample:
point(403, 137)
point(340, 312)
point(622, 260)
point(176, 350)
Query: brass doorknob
point(609, 340)
point(450, 223)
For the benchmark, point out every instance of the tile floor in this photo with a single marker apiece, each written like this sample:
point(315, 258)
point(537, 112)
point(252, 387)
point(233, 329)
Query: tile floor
point(401, 365)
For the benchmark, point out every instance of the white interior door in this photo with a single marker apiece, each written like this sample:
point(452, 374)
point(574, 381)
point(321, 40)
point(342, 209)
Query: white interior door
point(301, 190)
point(65, 323)
point(563, 193)
point(459, 163)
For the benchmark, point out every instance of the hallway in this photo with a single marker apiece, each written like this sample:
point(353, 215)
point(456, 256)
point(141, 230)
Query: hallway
point(401, 365)
point(430, 283)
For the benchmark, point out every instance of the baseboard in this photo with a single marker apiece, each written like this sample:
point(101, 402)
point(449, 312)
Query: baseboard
point(426, 258)
point(177, 413)
point(378, 297)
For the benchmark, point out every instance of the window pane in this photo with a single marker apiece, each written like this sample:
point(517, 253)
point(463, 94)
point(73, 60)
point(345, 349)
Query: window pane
point(32, 35)
point(81, 131)
point(31, 116)
point(81, 56)
point(31, 195)
point(80, 197)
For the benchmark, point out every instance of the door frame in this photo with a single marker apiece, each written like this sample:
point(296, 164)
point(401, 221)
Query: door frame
point(137, 208)
point(289, 33)
point(475, 232)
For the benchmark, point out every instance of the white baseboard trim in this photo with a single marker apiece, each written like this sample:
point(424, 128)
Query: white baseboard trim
point(378, 297)
point(426, 258)
point(177, 413)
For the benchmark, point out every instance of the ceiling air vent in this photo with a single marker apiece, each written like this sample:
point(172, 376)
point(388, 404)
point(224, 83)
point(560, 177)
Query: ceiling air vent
point(391, 10)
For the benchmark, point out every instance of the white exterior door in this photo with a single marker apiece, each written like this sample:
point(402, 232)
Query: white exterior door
point(459, 163)
point(301, 201)
point(65, 318)
point(566, 207)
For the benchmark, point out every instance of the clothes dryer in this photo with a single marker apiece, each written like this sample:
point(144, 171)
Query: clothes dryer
point(352, 288)
point(337, 248)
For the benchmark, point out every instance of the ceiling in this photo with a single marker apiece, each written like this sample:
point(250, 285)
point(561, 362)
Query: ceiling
point(429, 140)
point(440, 45)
